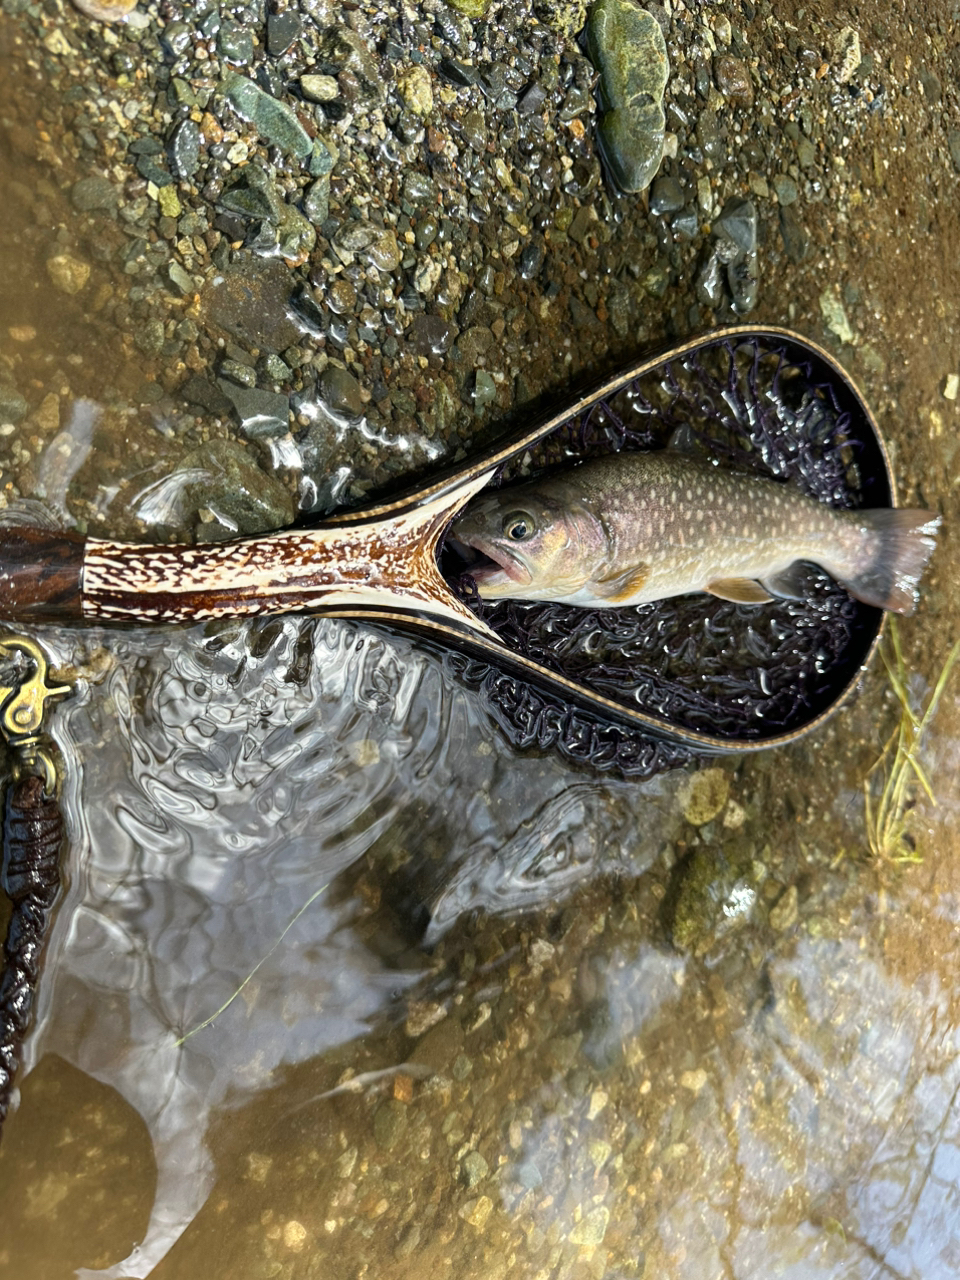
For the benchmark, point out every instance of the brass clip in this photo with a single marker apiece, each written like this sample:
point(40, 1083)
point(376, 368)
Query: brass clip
point(23, 707)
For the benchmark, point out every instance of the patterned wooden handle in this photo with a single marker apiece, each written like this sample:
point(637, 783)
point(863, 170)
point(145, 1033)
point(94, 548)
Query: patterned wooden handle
point(385, 564)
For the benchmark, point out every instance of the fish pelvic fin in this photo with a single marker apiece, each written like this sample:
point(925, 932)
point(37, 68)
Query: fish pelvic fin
point(788, 584)
point(620, 587)
point(903, 542)
point(739, 590)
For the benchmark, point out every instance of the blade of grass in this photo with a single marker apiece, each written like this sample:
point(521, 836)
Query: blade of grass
point(263, 959)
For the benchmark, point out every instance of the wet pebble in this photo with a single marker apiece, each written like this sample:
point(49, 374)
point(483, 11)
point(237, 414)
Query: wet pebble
point(786, 189)
point(416, 90)
point(235, 43)
point(431, 335)
point(68, 273)
point(628, 49)
point(273, 120)
point(94, 193)
point(341, 296)
point(666, 196)
point(473, 1169)
point(262, 415)
point(732, 78)
point(235, 495)
point(13, 407)
point(184, 149)
point(701, 796)
point(785, 912)
point(319, 88)
point(316, 201)
point(340, 391)
point(736, 240)
point(282, 30)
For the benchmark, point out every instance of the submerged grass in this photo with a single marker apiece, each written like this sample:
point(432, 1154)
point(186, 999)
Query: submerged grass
point(263, 959)
point(890, 787)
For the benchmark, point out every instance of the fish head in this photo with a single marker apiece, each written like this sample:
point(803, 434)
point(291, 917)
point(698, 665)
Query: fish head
point(535, 546)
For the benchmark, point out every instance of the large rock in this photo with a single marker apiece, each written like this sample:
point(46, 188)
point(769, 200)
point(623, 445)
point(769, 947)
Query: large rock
point(628, 49)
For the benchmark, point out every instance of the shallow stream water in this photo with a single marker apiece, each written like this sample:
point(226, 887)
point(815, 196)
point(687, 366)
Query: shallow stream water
point(341, 985)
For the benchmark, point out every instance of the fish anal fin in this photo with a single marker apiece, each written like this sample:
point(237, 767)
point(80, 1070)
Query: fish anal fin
point(619, 588)
point(739, 590)
point(788, 584)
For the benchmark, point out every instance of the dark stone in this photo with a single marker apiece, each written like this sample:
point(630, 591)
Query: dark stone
point(532, 101)
point(431, 335)
point(340, 391)
point(235, 43)
point(205, 394)
point(252, 302)
point(13, 407)
point(666, 196)
point(184, 149)
point(732, 78)
point(273, 120)
point(282, 30)
point(262, 415)
point(458, 73)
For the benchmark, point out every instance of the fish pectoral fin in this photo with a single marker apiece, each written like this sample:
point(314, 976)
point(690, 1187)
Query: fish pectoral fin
point(684, 440)
point(788, 584)
point(739, 590)
point(618, 588)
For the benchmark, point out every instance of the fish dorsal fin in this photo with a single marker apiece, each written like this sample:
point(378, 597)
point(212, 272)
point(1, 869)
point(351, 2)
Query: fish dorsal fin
point(618, 588)
point(788, 584)
point(684, 440)
point(739, 590)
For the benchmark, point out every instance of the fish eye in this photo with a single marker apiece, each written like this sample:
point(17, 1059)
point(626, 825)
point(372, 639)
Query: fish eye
point(519, 525)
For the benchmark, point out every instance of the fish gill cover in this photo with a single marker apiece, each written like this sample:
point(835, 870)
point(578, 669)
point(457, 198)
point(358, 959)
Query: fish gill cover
point(727, 670)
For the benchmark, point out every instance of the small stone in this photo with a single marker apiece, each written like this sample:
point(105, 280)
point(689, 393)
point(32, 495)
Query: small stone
point(184, 149)
point(389, 1123)
point(384, 252)
point(419, 189)
point(703, 795)
point(732, 78)
point(149, 337)
point(951, 386)
point(785, 913)
point(181, 280)
point(786, 189)
point(47, 416)
point(169, 202)
point(836, 317)
point(340, 391)
point(316, 202)
point(241, 496)
point(235, 43)
point(416, 90)
point(470, 8)
point(94, 193)
point(262, 415)
point(431, 335)
point(476, 1212)
point(13, 407)
point(485, 392)
point(591, 1228)
point(666, 196)
point(282, 30)
point(628, 49)
point(584, 220)
point(69, 274)
point(953, 146)
point(422, 1015)
point(294, 1235)
point(274, 121)
point(693, 1080)
point(319, 88)
point(473, 1168)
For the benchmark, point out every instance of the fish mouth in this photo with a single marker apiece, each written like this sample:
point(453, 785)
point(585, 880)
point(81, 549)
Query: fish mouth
point(493, 568)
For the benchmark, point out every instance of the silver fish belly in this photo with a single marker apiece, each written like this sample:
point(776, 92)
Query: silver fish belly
point(636, 527)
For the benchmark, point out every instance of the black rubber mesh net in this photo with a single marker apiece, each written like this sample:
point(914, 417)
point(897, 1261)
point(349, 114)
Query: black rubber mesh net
point(708, 665)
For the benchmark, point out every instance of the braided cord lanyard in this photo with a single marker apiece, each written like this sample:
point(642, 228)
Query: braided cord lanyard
point(33, 833)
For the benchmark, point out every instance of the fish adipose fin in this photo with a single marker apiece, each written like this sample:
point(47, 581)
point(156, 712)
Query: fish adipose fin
point(620, 588)
point(788, 584)
point(739, 590)
point(904, 541)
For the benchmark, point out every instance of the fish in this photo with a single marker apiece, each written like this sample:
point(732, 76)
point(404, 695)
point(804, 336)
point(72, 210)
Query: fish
point(633, 527)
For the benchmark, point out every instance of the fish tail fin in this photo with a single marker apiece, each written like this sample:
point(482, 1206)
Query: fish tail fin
point(901, 542)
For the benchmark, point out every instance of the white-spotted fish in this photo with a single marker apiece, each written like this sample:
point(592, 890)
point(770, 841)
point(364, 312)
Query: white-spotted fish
point(633, 527)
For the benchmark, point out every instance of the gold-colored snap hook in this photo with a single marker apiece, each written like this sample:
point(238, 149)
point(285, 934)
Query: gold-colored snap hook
point(23, 702)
